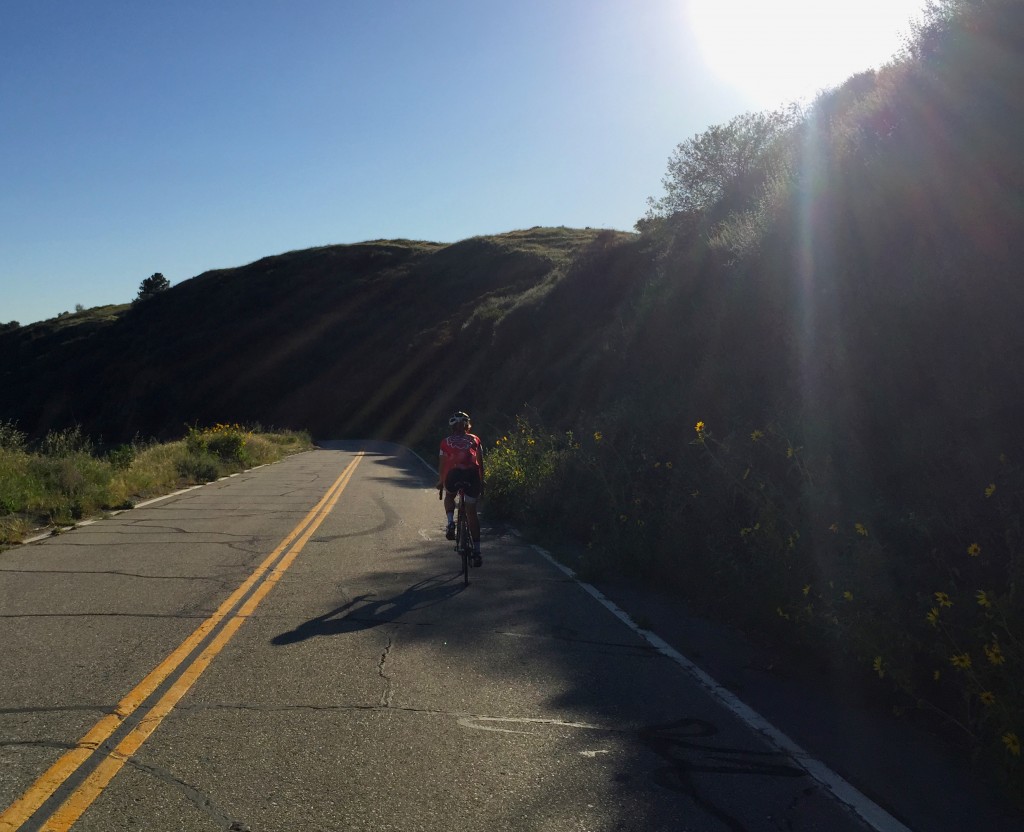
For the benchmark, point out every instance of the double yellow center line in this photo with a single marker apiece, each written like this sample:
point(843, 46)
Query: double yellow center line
point(59, 797)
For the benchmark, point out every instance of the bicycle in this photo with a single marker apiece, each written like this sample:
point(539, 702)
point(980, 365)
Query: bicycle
point(463, 540)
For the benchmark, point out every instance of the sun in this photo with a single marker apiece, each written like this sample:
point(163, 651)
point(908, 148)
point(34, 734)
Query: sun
point(776, 51)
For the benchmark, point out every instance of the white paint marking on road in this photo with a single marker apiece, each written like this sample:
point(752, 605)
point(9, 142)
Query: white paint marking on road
point(475, 723)
point(867, 809)
point(145, 503)
point(430, 467)
point(593, 754)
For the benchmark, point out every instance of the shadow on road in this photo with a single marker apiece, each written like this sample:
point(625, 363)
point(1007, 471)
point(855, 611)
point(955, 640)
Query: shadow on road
point(364, 612)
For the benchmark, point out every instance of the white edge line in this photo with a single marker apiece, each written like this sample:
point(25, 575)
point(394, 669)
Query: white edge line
point(430, 467)
point(846, 793)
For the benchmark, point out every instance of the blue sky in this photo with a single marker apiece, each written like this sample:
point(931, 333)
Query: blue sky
point(140, 137)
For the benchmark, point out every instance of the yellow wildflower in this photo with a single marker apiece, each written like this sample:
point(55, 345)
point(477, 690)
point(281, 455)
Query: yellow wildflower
point(961, 661)
point(657, 464)
point(807, 589)
point(936, 675)
point(1012, 743)
point(598, 436)
point(757, 435)
point(879, 667)
point(848, 595)
point(987, 697)
point(790, 452)
point(974, 550)
point(860, 529)
point(983, 599)
point(990, 490)
point(933, 616)
point(668, 465)
point(943, 599)
point(994, 653)
point(699, 427)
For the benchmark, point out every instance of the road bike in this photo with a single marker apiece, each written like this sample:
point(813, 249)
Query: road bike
point(463, 540)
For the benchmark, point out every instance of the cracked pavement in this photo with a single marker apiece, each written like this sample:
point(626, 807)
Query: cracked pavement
point(369, 690)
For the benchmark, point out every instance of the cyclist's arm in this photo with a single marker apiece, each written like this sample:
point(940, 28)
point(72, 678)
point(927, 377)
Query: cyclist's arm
point(442, 469)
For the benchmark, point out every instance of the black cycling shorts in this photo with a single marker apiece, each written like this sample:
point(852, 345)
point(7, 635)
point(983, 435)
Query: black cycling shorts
point(468, 478)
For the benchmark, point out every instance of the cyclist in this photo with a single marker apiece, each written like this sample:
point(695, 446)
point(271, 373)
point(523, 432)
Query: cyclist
point(462, 461)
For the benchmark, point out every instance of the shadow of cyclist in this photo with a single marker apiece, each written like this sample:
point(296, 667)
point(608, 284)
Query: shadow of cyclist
point(361, 613)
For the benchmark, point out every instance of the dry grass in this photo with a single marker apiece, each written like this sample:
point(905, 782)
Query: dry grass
point(61, 484)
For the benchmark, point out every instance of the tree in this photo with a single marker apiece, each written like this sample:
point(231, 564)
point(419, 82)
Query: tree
point(153, 285)
point(702, 169)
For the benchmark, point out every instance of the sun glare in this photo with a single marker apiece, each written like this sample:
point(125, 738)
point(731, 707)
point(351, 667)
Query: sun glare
point(775, 51)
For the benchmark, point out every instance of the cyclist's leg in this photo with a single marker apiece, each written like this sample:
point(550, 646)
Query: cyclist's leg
point(449, 506)
point(472, 493)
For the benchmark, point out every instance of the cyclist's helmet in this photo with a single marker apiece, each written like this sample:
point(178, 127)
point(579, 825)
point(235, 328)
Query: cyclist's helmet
point(459, 418)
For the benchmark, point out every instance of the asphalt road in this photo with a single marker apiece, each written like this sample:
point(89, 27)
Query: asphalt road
point(292, 649)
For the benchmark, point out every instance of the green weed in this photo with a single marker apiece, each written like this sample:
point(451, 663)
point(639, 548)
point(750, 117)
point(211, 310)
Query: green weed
point(64, 480)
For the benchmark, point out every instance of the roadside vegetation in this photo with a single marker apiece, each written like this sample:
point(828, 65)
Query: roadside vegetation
point(922, 609)
point(64, 477)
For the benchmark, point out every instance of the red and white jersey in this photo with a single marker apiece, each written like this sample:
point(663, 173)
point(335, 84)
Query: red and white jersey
point(461, 450)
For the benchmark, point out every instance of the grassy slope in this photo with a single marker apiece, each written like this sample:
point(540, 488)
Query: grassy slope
point(342, 339)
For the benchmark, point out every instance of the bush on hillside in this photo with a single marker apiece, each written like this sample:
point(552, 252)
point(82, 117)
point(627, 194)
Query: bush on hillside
point(66, 442)
point(10, 437)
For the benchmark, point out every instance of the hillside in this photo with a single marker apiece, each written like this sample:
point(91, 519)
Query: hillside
point(375, 339)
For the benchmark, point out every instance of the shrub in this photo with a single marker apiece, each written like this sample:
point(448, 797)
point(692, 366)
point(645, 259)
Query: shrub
point(66, 442)
point(121, 457)
point(198, 467)
point(524, 469)
point(226, 442)
point(10, 437)
point(74, 485)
